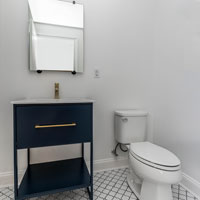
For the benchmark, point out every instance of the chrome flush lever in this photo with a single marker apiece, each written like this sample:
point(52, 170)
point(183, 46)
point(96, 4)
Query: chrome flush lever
point(124, 119)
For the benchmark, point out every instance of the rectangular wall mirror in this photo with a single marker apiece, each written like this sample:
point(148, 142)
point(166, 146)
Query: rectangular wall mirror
point(56, 35)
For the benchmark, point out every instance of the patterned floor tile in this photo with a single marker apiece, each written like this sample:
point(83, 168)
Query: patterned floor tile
point(108, 185)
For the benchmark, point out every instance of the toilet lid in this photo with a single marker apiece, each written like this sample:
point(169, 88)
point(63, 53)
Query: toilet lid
point(154, 154)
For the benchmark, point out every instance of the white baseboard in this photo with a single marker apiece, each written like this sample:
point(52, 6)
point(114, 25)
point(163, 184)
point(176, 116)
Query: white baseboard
point(6, 179)
point(190, 184)
point(110, 163)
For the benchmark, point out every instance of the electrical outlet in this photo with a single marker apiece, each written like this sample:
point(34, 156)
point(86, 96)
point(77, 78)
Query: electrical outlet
point(96, 73)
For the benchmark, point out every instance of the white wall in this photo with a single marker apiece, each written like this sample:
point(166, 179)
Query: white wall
point(177, 81)
point(118, 41)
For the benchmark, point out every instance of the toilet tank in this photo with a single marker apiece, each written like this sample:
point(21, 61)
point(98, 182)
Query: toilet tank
point(130, 126)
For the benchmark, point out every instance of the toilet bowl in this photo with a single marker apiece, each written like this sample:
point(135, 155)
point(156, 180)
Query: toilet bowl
point(153, 170)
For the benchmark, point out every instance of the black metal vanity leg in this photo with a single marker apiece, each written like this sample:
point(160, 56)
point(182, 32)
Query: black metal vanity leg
point(82, 147)
point(15, 172)
point(15, 161)
point(28, 156)
point(91, 170)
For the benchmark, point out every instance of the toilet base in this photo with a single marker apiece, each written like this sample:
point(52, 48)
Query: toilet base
point(154, 191)
point(148, 190)
point(135, 184)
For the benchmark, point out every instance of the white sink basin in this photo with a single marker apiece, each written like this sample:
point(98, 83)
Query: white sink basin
point(53, 101)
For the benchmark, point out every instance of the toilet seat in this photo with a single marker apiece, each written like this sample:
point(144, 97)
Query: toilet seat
point(155, 156)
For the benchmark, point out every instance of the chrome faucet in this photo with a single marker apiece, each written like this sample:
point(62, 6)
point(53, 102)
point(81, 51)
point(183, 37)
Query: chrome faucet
point(57, 96)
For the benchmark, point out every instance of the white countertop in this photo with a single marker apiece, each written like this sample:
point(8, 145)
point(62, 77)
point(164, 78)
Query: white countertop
point(53, 101)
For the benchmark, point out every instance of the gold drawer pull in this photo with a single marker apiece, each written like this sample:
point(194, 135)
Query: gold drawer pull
point(55, 125)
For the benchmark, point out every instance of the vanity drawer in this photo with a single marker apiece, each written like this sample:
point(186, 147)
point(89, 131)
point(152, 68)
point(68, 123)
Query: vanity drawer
point(48, 125)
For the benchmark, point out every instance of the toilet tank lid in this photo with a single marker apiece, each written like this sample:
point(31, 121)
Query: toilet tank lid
point(131, 113)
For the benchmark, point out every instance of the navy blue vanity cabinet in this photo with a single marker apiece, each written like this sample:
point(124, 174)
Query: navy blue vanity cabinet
point(40, 125)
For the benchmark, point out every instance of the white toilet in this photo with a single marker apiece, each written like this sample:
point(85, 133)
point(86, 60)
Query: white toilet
point(153, 169)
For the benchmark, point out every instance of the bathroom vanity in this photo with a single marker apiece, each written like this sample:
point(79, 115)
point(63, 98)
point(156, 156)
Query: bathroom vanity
point(51, 122)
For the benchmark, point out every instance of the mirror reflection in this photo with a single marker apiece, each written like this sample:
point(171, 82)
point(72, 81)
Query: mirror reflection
point(56, 35)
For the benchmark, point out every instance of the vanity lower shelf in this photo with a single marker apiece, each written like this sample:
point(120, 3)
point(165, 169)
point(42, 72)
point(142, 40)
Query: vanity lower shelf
point(47, 178)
